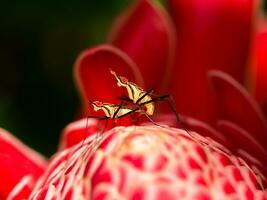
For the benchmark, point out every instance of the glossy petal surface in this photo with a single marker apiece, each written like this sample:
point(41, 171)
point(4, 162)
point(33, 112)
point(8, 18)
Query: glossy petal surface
point(146, 34)
point(17, 161)
point(259, 70)
point(234, 104)
point(77, 131)
point(210, 35)
point(93, 77)
point(243, 140)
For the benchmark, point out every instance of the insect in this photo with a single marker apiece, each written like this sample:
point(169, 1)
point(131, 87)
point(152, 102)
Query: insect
point(135, 93)
point(111, 111)
point(138, 97)
point(137, 101)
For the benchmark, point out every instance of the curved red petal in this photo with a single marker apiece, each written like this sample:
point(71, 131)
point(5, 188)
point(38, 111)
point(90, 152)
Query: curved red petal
point(146, 34)
point(257, 166)
point(210, 35)
point(206, 130)
point(77, 131)
point(93, 77)
point(242, 139)
point(192, 124)
point(17, 160)
point(235, 104)
point(168, 162)
point(259, 67)
point(23, 189)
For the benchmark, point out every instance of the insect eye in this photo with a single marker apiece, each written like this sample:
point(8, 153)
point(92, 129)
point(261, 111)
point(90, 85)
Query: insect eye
point(124, 80)
point(98, 103)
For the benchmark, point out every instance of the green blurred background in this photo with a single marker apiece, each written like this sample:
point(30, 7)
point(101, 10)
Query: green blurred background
point(39, 42)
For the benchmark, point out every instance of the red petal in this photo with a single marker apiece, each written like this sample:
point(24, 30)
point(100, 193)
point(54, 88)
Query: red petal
point(93, 77)
point(205, 130)
point(259, 70)
point(264, 107)
point(235, 104)
point(23, 189)
point(210, 35)
point(192, 124)
point(242, 139)
point(146, 34)
point(17, 160)
point(78, 131)
point(257, 166)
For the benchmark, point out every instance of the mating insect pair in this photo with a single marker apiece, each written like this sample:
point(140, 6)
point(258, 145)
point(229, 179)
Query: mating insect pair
point(137, 100)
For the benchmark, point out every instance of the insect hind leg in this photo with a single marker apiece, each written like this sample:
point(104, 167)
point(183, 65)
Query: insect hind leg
point(171, 104)
point(98, 124)
point(92, 147)
point(151, 120)
point(100, 118)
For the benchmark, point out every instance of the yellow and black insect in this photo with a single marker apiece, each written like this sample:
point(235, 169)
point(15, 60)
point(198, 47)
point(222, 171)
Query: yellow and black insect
point(138, 100)
point(143, 99)
point(136, 94)
point(112, 111)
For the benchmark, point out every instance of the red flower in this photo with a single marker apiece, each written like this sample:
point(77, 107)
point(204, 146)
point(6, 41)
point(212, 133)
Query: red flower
point(199, 55)
point(201, 60)
point(20, 167)
point(147, 162)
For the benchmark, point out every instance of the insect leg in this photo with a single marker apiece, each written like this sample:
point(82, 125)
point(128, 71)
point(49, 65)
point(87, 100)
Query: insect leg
point(117, 111)
point(98, 125)
point(171, 104)
point(98, 117)
point(150, 119)
point(90, 149)
point(69, 158)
